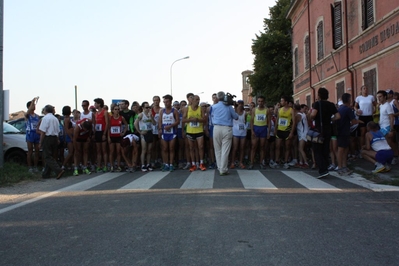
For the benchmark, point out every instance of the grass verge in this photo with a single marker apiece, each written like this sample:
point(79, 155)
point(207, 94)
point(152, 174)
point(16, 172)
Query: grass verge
point(12, 173)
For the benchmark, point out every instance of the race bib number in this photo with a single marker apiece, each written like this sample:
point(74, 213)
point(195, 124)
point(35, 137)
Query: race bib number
point(283, 122)
point(194, 124)
point(167, 131)
point(241, 127)
point(155, 129)
point(115, 130)
point(99, 127)
point(260, 117)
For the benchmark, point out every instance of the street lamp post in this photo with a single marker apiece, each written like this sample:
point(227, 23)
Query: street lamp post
point(171, 87)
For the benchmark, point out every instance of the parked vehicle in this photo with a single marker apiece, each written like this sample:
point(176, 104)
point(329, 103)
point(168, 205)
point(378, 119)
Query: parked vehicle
point(14, 144)
point(19, 124)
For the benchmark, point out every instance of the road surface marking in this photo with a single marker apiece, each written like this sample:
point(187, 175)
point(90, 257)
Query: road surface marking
point(254, 180)
point(309, 181)
point(145, 182)
point(199, 180)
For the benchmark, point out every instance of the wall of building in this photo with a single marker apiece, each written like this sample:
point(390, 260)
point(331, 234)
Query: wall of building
point(375, 48)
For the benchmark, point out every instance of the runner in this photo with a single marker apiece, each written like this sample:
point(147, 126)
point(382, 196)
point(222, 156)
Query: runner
point(81, 140)
point(101, 127)
point(117, 129)
point(168, 121)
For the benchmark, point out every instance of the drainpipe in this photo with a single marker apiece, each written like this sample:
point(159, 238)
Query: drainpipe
point(347, 50)
point(310, 56)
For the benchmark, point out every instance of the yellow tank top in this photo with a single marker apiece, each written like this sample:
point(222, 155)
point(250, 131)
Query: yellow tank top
point(260, 118)
point(194, 127)
point(284, 119)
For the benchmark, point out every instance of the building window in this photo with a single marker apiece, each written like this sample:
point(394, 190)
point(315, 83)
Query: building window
point(320, 50)
point(308, 101)
point(370, 80)
point(367, 13)
point(336, 12)
point(307, 53)
point(340, 87)
point(296, 70)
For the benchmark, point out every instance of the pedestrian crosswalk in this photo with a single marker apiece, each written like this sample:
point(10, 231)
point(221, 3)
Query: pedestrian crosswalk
point(237, 179)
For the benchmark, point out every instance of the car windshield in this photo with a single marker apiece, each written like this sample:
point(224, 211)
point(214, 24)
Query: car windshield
point(9, 129)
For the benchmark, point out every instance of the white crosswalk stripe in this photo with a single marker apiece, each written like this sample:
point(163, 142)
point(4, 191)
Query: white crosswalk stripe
point(199, 180)
point(254, 180)
point(145, 182)
point(309, 181)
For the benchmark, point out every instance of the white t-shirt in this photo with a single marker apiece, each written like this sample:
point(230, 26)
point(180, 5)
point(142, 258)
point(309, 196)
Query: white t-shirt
point(385, 110)
point(365, 104)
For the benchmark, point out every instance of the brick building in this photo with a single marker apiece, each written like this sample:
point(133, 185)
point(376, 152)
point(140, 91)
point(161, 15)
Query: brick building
point(343, 45)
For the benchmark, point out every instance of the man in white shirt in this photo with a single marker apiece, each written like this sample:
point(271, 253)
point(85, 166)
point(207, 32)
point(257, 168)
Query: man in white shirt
point(49, 130)
point(387, 121)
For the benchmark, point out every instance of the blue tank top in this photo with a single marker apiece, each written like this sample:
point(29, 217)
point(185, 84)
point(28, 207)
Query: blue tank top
point(395, 110)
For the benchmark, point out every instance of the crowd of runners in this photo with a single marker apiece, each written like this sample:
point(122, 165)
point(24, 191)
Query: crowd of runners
point(179, 135)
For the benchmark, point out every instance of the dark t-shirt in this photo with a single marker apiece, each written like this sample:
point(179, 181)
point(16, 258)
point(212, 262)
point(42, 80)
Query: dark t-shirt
point(327, 110)
point(128, 115)
point(344, 124)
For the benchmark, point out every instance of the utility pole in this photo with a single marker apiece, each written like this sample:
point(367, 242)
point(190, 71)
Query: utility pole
point(1, 83)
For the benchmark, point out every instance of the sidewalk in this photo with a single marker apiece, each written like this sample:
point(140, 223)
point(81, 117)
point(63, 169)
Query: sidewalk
point(361, 166)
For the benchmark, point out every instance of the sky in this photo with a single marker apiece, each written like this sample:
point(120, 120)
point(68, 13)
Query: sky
point(124, 49)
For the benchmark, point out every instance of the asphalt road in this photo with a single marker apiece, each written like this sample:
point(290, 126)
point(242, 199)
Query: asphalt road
point(240, 219)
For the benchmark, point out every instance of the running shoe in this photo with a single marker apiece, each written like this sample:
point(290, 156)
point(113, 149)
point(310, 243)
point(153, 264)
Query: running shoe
point(86, 171)
point(75, 172)
point(171, 168)
point(202, 167)
point(143, 169)
point(149, 168)
point(193, 168)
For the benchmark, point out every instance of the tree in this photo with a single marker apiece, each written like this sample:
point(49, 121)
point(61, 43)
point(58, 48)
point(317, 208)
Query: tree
point(272, 75)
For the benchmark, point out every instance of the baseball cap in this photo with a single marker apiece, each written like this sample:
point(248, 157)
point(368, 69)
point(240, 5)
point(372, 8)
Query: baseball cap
point(176, 103)
point(92, 107)
point(389, 91)
point(240, 101)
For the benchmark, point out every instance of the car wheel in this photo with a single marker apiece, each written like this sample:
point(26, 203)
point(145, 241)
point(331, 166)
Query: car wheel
point(16, 156)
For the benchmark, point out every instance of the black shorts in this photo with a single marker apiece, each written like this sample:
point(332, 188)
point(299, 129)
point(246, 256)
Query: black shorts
point(282, 134)
point(116, 139)
point(343, 141)
point(365, 119)
point(98, 136)
point(149, 137)
point(271, 139)
point(195, 136)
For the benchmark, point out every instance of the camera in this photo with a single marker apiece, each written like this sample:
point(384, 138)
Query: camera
point(228, 99)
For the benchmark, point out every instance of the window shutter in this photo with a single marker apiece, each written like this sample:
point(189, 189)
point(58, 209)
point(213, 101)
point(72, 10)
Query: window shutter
point(296, 72)
point(340, 89)
point(363, 14)
point(307, 54)
point(370, 13)
point(320, 51)
point(336, 11)
point(370, 80)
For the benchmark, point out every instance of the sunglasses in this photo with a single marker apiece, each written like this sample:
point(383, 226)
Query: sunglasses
point(116, 109)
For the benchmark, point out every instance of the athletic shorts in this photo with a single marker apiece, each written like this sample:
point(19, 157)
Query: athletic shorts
point(260, 131)
point(384, 156)
point(385, 130)
point(343, 141)
point(302, 136)
point(32, 137)
point(240, 137)
point(365, 119)
point(98, 136)
point(168, 137)
point(282, 134)
point(195, 136)
point(149, 137)
point(116, 139)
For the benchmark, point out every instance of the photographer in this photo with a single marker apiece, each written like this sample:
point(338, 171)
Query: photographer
point(222, 116)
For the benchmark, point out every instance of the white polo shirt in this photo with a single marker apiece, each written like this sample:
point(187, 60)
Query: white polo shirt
point(50, 125)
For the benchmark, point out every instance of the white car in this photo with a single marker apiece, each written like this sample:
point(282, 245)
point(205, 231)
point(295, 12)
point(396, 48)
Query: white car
point(14, 144)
